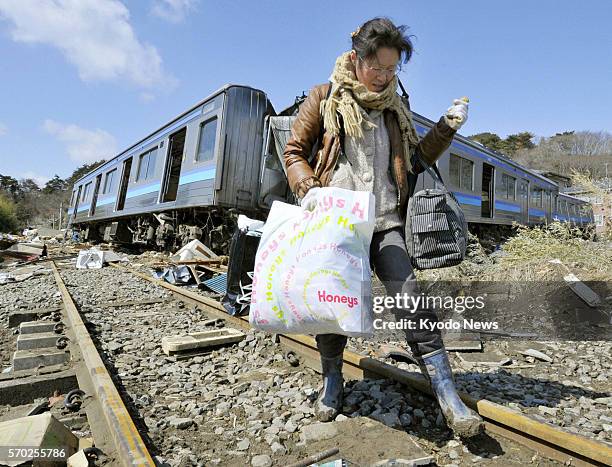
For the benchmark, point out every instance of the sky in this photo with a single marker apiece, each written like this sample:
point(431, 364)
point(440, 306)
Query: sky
point(81, 80)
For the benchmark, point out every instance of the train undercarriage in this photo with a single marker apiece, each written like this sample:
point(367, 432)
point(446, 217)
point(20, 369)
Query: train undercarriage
point(169, 230)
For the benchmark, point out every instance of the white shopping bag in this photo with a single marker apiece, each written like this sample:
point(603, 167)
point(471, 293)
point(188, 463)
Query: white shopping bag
point(312, 269)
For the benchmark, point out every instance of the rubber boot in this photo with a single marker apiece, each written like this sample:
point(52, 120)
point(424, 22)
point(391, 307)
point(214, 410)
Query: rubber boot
point(460, 418)
point(329, 402)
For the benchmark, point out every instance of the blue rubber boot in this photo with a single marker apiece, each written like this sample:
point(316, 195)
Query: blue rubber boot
point(460, 418)
point(329, 403)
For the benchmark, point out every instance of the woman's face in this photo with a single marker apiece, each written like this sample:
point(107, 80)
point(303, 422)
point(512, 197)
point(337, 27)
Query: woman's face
point(376, 72)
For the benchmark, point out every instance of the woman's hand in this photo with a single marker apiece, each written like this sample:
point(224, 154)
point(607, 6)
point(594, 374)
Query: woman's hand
point(457, 114)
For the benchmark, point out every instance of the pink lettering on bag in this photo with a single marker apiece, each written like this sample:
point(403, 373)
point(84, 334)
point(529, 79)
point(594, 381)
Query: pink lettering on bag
point(358, 209)
point(325, 297)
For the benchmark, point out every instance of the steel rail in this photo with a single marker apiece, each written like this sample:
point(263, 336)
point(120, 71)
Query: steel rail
point(125, 437)
point(549, 440)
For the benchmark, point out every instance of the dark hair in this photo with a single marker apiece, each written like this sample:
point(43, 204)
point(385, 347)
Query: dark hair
point(381, 32)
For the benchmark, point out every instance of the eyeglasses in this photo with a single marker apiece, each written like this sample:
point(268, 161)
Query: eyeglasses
point(382, 71)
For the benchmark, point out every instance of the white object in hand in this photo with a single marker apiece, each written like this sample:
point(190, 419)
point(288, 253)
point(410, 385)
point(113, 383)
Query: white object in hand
point(457, 114)
point(309, 201)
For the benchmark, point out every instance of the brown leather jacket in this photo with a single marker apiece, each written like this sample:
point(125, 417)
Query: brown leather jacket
point(305, 134)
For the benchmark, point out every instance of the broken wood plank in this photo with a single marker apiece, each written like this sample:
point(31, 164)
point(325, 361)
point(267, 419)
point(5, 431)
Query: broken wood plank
point(491, 358)
point(584, 292)
point(462, 342)
point(536, 354)
point(173, 344)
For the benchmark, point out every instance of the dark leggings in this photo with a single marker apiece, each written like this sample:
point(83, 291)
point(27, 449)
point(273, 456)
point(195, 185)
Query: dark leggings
point(390, 260)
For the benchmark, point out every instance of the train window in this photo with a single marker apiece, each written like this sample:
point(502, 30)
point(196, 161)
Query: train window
point(152, 163)
point(508, 187)
point(146, 165)
point(523, 190)
point(85, 192)
point(72, 198)
point(461, 172)
point(455, 170)
point(108, 181)
point(467, 175)
point(537, 197)
point(206, 144)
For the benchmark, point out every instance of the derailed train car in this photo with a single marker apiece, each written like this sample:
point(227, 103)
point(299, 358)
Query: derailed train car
point(223, 156)
point(181, 181)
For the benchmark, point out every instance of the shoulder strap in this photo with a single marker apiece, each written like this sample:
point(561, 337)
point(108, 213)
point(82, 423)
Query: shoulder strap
point(404, 93)
point(432, 170)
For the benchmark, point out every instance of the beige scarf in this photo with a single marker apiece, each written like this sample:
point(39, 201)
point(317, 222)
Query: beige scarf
point(348, 94)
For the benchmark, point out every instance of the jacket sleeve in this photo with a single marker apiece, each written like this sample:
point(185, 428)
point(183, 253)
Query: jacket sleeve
point(304, 134)
point(432, 146)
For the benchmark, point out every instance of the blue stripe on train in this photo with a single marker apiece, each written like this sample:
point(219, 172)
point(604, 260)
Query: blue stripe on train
point(503, 206)
point(189, 177)
point(104, 202)
point(467, 199)
point(143, 190)
point(197, 176)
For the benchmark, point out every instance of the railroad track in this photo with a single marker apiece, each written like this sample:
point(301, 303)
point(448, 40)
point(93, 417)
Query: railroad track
point(548, 440)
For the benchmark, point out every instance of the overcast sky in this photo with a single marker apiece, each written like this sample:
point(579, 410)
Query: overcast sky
point(83, 79)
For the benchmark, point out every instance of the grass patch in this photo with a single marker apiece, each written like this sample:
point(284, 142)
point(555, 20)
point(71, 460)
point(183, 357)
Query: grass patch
point(526, 256)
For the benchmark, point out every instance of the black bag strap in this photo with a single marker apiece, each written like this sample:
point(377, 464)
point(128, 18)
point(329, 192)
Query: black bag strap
point(404, 93)
point(432, 170)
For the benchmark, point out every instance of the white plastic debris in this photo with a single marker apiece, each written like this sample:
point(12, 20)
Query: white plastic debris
point(195, 249)
point(95, 258)
point(177, 275)
point(246, 223)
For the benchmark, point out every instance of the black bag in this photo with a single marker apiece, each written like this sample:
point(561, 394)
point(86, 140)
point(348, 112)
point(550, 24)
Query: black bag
point(243, 247)
point(436, 230)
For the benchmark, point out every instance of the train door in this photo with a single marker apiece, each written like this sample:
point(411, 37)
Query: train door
point(94, 198)
point(488, 191)
point(524, 199)
point(76, 202)
point(553, 207)
point(125, 180)
point(174, 160)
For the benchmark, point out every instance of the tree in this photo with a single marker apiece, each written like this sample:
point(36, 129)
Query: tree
point(582, 143)
point(8, 221)
point(519, 141)
point(27, 185)
point(55, 185)
point(490, 140)
point(10, 186)
point(80, 171)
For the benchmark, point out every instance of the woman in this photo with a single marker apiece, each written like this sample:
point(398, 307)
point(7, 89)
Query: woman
point(368, 143)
